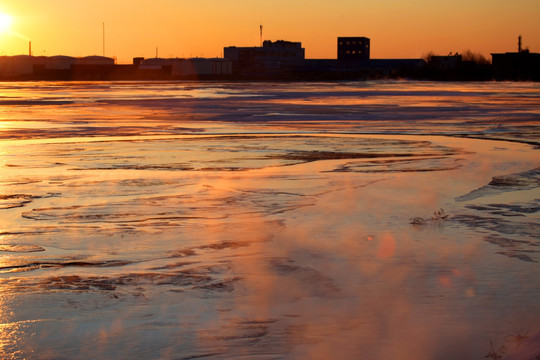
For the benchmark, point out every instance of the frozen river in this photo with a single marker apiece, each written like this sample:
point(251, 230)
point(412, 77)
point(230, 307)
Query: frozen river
point(189, 220)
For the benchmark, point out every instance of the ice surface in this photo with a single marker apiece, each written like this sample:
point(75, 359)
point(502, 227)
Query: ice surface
point(179, 220)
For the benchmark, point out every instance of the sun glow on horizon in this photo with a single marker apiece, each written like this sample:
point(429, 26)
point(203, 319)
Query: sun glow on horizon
point(5, 22)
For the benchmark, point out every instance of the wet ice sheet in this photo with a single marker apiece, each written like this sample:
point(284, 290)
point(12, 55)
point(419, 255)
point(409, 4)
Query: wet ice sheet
point(503, 111)
point(148, 233)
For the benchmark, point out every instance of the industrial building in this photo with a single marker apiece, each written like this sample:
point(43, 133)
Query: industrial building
point(19, 65)
point(520, 65)
point(270, 57)
point(353, 48)
point(274, 60)
point(185, 68)
point(286, 60)
point(27, 67)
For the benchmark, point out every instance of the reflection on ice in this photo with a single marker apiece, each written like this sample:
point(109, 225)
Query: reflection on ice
point(185, 220)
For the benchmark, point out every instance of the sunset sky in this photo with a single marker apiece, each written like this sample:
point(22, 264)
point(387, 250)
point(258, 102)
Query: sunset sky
point(180, 28)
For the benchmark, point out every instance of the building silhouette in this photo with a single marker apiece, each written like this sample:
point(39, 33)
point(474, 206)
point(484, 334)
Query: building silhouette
point(445, 62)
point(275, 60)
point(353, 48)
point(27, 67)
point(520, 65)
point(271, 56)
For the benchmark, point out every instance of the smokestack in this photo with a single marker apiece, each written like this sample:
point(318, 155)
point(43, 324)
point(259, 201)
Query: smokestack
point(519, 43)
point(30, 48)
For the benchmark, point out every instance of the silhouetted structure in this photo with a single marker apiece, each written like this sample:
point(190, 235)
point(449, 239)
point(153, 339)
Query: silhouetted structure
point(353, 48)
point(453, 67)
point(195, 68)
point(25, 67)
point(278, 60)
point(444, 63)
point(285, 60)
point(522, 65)
point(272, 57)
point(325, 69)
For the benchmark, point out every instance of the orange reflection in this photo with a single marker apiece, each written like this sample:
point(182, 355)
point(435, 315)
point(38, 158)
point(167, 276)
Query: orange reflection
point(387, 247)
point(288, 255)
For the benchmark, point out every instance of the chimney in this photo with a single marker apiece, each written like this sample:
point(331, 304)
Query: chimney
point(519, 44)
point(30, 48)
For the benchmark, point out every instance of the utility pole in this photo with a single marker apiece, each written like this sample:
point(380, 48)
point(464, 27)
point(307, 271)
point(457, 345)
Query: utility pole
point(103, 39)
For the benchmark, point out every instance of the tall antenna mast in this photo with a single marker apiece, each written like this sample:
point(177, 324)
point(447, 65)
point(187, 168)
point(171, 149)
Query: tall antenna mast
point(103, 39)
point(261, 28)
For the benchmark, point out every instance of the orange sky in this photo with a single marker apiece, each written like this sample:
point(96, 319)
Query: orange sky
point(181, 28)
